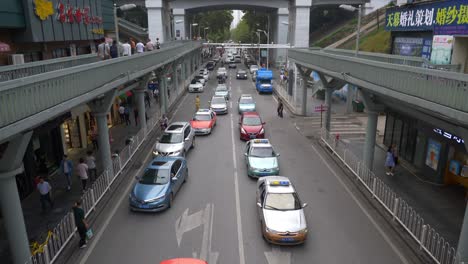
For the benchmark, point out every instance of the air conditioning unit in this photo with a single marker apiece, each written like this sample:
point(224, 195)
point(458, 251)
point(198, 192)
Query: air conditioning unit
point(404, 2)
point(16, 59)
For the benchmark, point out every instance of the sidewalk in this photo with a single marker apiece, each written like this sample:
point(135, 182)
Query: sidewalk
point(37, 223)
point(442, 207)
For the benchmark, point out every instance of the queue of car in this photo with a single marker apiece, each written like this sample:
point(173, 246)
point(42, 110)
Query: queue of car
point(279, 207)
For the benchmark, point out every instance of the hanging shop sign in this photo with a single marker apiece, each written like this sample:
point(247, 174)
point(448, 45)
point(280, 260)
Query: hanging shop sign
point(444, 18)
point(449, 136)
point(73, 14)
point(433, 154)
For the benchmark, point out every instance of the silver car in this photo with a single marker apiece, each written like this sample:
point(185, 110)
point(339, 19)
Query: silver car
point(281, 212)
point(219, 105)
point(246, 104)
point(223, 90)
point(176, 140)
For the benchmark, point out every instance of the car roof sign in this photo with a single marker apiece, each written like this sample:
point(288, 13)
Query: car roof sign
point(279, 183)
point(261, 141)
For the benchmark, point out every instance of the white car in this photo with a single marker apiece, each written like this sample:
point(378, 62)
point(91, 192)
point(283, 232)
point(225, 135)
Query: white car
point(221, 71)
point(195, 86)
point(253, 68)
point(205, 74)
point(201, 79)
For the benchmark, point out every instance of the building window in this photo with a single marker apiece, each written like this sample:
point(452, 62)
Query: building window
point(59, 53)
point(31, 56)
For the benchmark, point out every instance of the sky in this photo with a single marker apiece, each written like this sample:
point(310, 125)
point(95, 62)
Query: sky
point(237, 14)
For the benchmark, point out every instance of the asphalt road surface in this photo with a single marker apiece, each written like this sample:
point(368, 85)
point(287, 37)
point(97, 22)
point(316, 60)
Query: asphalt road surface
point(214, 216)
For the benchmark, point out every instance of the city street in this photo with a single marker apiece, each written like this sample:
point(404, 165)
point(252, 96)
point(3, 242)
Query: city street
point(214, 216)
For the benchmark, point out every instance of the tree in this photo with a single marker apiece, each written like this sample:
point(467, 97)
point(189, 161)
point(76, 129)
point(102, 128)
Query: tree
point(242, 32)
point(219, 23)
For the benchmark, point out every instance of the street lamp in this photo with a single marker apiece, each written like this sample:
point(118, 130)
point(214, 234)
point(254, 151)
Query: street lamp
point(359, 9)
point(258, 35)
point(123, 8)
point(194, 24)
point(268, 43)
point(204, 31)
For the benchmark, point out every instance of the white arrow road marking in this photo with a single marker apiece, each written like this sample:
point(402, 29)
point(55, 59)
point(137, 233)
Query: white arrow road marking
point(186, 223)
point(276, 256)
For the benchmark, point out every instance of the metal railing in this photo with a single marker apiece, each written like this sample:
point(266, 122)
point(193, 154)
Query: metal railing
point(439, 87)
point(429, 241)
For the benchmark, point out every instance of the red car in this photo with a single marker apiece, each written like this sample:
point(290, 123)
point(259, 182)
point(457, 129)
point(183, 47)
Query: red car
point(184, 261)
point(251, 126)
point(203, 121)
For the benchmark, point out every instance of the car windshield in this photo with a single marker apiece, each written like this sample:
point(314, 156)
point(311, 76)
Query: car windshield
point(282, 201)
point(202, 118)
point(155, 176)
point(253, 67)
point(246, 101)
point(252, 121)
point(221, 88)
point(265, 81)
point(241, 72)
point(171, 138)
point(218, 100)
point(194, 81)
point(262, 152)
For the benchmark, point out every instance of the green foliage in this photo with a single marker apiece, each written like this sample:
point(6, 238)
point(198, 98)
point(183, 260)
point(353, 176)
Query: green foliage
point(242, 32)
point(336, 35)
point(254, 20)
point(376, 41)
point(219, 23)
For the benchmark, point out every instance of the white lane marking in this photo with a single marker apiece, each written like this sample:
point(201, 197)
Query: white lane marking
point(206, 233)
point(230, 104)
point(97, 236)
point(373, 221)
point(187, 222)
point(213, 256)
point(240, 238)
point(276, 256)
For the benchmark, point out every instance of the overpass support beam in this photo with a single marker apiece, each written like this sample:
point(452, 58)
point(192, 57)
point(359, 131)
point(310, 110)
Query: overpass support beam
point(99, 108)
point(179, 23)
point(11, 164)
point(155, 19)
point(373, 110)
point(281, 34)
point(304, 74)
point(299, 22)
point(140, 100)
point(330, 84)
point(328, 100)
point(163, 94)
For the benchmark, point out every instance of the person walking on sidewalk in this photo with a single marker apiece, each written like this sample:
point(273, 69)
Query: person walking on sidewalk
point(147, 99)
point(66, 168)
point(395, 155)
point(389, 161)
point(82, 169)
point(127, 115)
point(94, 139)
point(135, 114)
point(91, 162)
point(280, 108)
point(80, 222)
point(44, 190)
point(122, 114)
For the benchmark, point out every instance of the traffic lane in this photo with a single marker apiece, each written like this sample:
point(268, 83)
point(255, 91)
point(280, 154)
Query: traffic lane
point(149, 238)
point(338, 229)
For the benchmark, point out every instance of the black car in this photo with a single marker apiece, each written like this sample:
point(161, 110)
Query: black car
point(232, 65)
point(210, 65)
point(241, 74)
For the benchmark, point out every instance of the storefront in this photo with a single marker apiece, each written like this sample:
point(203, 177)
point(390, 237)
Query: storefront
point(438, 153)
point(436, 31)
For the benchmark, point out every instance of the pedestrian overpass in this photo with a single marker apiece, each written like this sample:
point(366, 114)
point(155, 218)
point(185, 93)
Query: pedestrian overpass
point(33, 93)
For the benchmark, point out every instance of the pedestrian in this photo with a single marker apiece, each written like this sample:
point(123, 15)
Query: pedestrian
point(389, 161)
point(140, 47)
point(279, 110)
point(66, 167)
point(135, 114)
point(149, 45)
point(122, 113)
point(114, 50)
point(81, 223)
point(91, 162)
point(395, 155)
point(147, 99)
point(94, 140)
point(126, 49)
point(156, 94)
point(197, 103)
point(132, 45)
point(281, 78)
point(127, 116)
point(104, 50)
point(158, 45)
point(82, 169)
point(44, 190)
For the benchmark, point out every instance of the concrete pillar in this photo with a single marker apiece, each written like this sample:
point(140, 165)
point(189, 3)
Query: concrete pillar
point(175, 76)
point(300, 22)
point(83, 132)
point(182, 74)
point(140, 104)
point(369, 144)
point(281, 34)
point(304, 95)
point(11, 164)
point(328, 96)
point(155, 19)
point(179, 23)
point(163, 94)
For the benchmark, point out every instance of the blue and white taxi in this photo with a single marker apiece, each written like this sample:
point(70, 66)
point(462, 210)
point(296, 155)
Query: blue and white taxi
point(261, 159)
